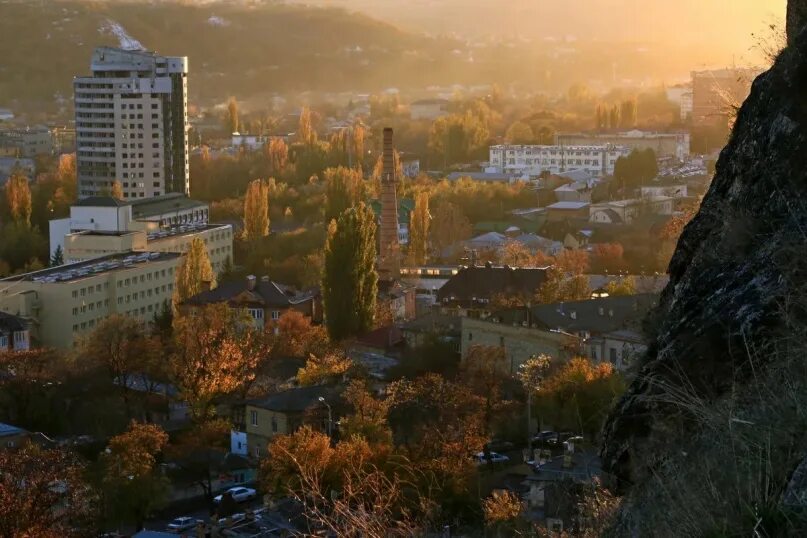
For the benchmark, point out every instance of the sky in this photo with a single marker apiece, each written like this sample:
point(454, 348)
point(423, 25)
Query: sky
point(724, 28)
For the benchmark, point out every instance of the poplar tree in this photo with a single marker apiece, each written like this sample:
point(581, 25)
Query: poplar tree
point(350, 280)
point(193, 271)
point(117, 190)
point(344, 188)
point(419, 221)
point(232, 115)
point(277, 153)
point(18, 197)
point(305, 132)
point(256, 210)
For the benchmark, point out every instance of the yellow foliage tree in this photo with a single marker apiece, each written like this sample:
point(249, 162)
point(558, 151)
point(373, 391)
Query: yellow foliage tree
point(256, 210)
point(318, 370)
point(194, 271)
point(18, 197)
point(419, 222)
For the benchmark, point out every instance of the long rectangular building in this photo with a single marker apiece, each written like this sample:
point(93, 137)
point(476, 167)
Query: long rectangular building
point(674, 145)
point(534, 160)
point(62, 304)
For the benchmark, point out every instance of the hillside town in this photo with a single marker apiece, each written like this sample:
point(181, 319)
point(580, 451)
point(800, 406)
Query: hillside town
point(401, 313)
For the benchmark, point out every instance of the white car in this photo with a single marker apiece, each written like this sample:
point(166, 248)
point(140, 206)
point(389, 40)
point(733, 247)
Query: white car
point(182, 524)
point(495, 457)
point(239, 495)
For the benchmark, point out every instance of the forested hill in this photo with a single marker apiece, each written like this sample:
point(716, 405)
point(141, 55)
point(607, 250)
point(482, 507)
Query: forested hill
point(233, 47)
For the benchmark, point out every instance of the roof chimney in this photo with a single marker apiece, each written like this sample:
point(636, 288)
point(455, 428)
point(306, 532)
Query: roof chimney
point(251, 282)
point(265, 278)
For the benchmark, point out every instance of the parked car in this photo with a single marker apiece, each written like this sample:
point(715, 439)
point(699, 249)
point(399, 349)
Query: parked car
point(182, 524)
point(495, 457)
point(500, 446)
point(546, 438)
point(239, 494)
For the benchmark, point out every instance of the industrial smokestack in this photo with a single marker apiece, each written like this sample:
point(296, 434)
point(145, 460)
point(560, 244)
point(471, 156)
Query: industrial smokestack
point(389, 262)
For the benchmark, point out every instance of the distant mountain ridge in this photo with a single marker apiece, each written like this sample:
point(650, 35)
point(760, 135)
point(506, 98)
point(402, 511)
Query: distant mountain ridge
point(236, 48)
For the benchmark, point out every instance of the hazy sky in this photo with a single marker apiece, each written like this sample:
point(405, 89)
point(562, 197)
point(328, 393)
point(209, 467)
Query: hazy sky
point(724, 27)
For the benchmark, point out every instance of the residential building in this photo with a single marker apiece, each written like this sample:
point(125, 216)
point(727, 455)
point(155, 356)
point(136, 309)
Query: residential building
point(672, 191)
point(561, 211)
point(26, 142)
point(428, 109)
point(446, 327)
point(674, 145)
point(578, 191)
point(62, 304)
point(537, 160)
point(470, 291)
point(495, 241)
point(716, 92)
point(411, 168)
point(8, 165)
point(605, 330)
point(6, 114)
point(285, 412)
point(625, 211)
point(263, 299)
point(132, 124)
point(14, 334)
point(681, 95)
point(102, 225)
point(249, 142)
point(488, 177)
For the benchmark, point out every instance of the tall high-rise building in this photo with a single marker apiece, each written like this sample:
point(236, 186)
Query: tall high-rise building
point(132, 124)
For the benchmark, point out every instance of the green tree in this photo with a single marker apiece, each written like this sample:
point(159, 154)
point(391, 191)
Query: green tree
point(520, 133)
point(419, 221)
point(193, 272)
point(344, 188)
point(58, 257)
point(256, 210)
point(350, 281)
point(232, 115)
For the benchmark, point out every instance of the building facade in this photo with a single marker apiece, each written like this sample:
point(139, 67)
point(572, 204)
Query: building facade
point(599, 160)
point(132, 124)
point(14, 334)
point(27, 142)
point(62, 304)
point(716, 92)
point(674, 145)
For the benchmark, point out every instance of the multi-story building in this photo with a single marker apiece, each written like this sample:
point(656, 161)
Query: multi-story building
point(626, 211)
point(132, 124)
point(27, 142)
point(599, 160)
point(102, 225)
point(674, 145)
point(715, 93)
point(14, 334)
point(61, 304)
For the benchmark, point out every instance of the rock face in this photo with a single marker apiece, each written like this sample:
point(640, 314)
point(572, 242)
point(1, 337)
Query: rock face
point(732, 277)
point(796, 17)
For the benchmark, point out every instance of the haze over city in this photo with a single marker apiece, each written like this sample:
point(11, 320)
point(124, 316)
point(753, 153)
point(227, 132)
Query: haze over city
point(403, 268)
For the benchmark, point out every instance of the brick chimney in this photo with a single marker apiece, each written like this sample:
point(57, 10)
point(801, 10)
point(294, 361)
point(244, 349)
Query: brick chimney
point(251, 280)
point(389, 248)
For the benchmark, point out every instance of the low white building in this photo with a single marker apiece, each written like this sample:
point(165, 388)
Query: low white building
point(534, 160)
point(428, 109)
point(673, 191)
point(625, 211)
point(249, 141)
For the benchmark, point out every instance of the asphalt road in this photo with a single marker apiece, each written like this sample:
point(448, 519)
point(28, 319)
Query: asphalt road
point(197, 509)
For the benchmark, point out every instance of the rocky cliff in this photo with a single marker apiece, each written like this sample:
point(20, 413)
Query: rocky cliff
point(721, 391)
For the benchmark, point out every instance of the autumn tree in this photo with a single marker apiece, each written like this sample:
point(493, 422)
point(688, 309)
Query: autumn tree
point(350, 281)
point(515, 254)
point(117, 190)
point(368, 416)
point(194, 272)
point(26, 381)
point(607, 258)
point(519, 133)
point(232, 115)
point(297, 336)
point(419, 222)
point(357, 136)
point(628, 113)
point(43, 494)
point(305, 131)
point(121, 348)
point(328, 368)
point(344, 188)
point(216, 353)
point(566, 279)
point(256, 210)
point(485, 369)
point(132, 482)
point(621, 286)
point(502, 511)
point(18, 198)
point(199, 452)
point(277, 154)
point(449, 227)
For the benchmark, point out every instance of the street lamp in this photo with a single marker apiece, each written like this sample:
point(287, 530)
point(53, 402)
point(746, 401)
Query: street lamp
point(330, 415)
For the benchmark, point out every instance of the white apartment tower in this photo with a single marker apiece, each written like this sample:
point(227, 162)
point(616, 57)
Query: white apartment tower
point(132, 124)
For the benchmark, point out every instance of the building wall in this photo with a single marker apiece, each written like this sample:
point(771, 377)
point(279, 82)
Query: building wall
point(534, 160)
point(62, 312)
point(260, 428)
point(131, 124)
point(520, 343)
point(664, 144)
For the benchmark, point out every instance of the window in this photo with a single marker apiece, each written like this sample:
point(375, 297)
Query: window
point(253, 418)
point(470, 336)
point(275, 315)
point(256, 313)
point(274, 425)
point(612, 355)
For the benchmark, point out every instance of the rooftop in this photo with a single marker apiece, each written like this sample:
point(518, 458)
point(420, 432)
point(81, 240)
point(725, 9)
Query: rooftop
point(11, 322)
point(297, 400)
point(88, 268)
point(8, 429)
point(263, 292)
point(472, 284)
point(568, 205)
point(160, 205)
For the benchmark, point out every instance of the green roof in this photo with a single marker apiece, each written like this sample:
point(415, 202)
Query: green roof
point(405, 207)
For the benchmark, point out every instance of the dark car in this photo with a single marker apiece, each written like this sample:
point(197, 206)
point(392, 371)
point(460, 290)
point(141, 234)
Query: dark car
point(546, 438)
point(499, 445)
